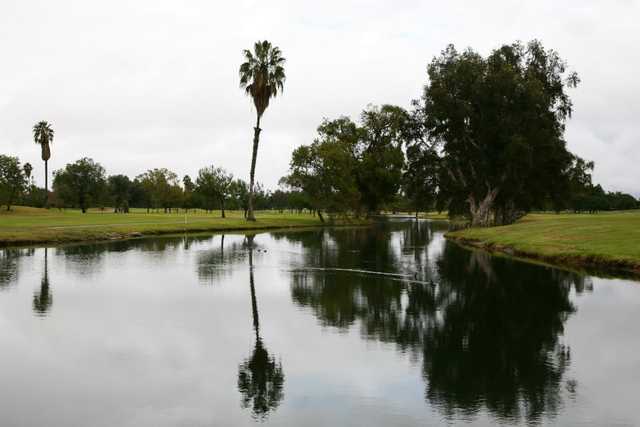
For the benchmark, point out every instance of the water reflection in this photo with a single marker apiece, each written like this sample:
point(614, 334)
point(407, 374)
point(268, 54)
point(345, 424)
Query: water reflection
point(217, 261)
point(87, 260)
point(43, 299)
point(451, 335)
point(10, 265)
point(486, 329)
point(497, 345)
point(260, 377)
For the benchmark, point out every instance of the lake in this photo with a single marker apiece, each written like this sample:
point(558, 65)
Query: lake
point(389, 325)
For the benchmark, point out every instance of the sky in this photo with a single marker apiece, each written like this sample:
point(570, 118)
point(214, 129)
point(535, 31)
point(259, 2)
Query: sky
point(154, 83)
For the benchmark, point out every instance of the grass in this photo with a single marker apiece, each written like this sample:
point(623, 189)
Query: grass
point(435, 215)
point(23, 225)
point(609, 241)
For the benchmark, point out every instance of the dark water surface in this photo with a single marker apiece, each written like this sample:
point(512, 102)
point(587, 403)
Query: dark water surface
point(296, 329)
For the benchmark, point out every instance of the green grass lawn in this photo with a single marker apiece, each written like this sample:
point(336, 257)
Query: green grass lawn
point(605, 240)
point(435, 215)
point(25, 225)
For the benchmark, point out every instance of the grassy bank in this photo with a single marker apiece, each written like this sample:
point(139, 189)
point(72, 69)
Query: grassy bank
point(26, 226)
point(605, 241)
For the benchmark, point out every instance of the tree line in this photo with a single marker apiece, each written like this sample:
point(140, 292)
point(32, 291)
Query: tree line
point(84, 184)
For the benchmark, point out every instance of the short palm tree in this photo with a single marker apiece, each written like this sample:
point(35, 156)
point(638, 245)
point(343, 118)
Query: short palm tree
point(43, 136)
point(262, 77)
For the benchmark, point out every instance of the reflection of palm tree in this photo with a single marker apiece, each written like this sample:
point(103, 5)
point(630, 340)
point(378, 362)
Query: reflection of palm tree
point(260, 377)
point(215, 262)
point(42, 300)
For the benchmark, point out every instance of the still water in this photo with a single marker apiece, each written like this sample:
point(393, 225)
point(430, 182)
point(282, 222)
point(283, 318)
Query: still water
point(383, 326)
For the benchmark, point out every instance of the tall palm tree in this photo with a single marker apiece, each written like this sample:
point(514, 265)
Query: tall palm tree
point(262, 77)
point(43, 136)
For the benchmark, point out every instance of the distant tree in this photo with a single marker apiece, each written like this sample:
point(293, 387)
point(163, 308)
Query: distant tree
point(188, 194)
point(161, 187)
point(120, 192)
point(261, 197)
point(81, 183)
point(240, 195)
point(214, 185)
point(43, 136)
point(262, 76)
point(420, 180)
point(12, 180)
point(140, 198)
point(279, 200)
point(622, 201)
point(27, 168)
point(206, 188)
point(579, 186)
point(500, 125)
point(383, 133)
point(326, 170)
point(33, 196)
point(350, 167)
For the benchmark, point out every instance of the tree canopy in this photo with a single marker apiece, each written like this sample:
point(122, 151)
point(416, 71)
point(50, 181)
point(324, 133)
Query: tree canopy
point(13, 181)
point(499, 124)
point(352, 166)
point(214, 185)
point(81, 183)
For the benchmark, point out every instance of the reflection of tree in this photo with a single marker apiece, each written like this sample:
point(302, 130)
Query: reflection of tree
point(260, 377)
point(485, 328)
point(9, 265)
point(339, 298)
point(42, 299)
point(216, 261)
point(86, 259)
point(497, 345)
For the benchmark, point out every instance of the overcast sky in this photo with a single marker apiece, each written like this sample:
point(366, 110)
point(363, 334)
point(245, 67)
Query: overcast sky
point(142, 84)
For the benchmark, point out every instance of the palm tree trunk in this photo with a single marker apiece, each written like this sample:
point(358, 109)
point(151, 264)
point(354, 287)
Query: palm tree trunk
point(256, 139)
point(46, 185)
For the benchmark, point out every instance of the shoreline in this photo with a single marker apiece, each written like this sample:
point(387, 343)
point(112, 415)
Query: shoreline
point(95, 233)
point(596, 265)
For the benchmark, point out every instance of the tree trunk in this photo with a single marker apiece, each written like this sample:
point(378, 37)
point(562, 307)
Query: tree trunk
point(254, 155)
point(222, 205)
point(320, 216)
point(46, 184)
point(482, 210)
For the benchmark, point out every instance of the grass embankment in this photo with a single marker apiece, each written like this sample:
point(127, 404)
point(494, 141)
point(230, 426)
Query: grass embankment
point(605, 241)
point(25, 226)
